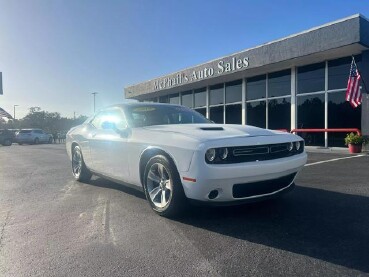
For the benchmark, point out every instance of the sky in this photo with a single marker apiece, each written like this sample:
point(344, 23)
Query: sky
point(54, 54)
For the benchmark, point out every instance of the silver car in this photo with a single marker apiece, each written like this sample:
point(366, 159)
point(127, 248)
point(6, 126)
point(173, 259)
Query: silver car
point(33, 136)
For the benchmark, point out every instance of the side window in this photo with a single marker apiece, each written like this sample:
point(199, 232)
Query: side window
point(114, 115)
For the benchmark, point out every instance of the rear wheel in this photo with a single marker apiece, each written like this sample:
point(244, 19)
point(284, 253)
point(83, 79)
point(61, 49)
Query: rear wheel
point(36, 141)
point(79, 169)
point(50, 140)
point(163, 187)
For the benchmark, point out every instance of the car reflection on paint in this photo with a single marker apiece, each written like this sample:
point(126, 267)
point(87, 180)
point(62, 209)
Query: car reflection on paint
point(176, 156)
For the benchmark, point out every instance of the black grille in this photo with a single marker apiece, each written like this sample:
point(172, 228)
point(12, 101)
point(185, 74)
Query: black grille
point(241, 154)
point(263, 187)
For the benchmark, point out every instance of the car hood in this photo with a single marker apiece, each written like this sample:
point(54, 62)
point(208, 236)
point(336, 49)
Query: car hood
point(212, 131)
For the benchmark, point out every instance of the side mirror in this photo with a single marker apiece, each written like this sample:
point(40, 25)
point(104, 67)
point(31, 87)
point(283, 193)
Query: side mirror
point(107, 125)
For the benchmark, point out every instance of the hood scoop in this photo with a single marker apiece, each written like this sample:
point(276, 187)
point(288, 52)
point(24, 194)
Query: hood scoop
point(212, 128)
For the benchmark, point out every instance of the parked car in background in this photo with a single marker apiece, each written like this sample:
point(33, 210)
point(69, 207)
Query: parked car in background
point(174, 154)
point(6, 137)
point(33, 136)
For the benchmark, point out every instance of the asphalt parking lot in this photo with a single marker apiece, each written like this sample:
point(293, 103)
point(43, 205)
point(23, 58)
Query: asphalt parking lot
point(51, 225)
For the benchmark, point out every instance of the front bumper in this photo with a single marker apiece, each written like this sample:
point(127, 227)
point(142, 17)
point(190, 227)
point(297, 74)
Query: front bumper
point(223, 178)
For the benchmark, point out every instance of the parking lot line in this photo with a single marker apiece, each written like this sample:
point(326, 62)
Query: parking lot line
point(337, 159)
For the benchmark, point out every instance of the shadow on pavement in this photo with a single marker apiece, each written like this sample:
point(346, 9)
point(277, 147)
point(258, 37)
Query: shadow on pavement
point(103, 183)
point(325, 225)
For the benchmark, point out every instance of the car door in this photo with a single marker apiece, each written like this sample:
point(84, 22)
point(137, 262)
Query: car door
point(108, 146)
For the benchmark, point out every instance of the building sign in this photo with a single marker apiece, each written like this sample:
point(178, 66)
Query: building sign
point(221, 67)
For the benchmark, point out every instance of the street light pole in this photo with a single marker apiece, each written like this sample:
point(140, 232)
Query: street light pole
point(94, 93)
point(14, 111)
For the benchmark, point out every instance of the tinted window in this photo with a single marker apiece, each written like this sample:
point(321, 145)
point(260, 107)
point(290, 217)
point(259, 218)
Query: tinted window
point(339, 70)
point(164, 99)
point(216, 114)
point(256, 114)
point(25, 131)
point(341, 115)
point(139, 116)
point(200, 97)
point(310, 114)
point(311, 78)
point(217, 94)
point(279, 83)
point(174, 98)
point(256, 88)
point(187, 99)
point(234, 114)
point(233, 91)
point(279, 113)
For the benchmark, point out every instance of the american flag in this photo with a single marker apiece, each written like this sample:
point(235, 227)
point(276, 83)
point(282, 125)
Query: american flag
point(3, 113)
point(353, 92)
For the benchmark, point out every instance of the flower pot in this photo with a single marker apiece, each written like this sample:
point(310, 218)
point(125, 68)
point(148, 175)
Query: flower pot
point(355, 148)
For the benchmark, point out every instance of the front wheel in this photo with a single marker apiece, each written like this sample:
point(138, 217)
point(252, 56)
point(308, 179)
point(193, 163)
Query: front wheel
point(163, 187)
point(79, 169)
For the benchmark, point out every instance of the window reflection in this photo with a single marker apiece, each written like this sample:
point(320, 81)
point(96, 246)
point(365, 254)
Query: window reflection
point(338, 72)
point(200, 97)
point(255, 114)
point(217, 94)
point(233, 91)
point(279, 113)
point(311, 78)
point(279, 83)
point(256, 87)
point(216, 114)
point(187, 99)
point(234, 114)
point(310, 114)
point(174, 98)
point(341, 115)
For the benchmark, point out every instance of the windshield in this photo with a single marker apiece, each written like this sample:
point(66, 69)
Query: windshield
point(148, 115)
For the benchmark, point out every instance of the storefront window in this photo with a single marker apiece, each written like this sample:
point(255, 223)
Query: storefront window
point(200, 97)
point(234, 114)
point(341, 115)
point(174, 98)
point(279, 83)
point(310, 114)
point(311, 78)
point(216, 114)
point(339, 70)
point(217, 94)
point(256, 87)
point(233, 91)
point(187, 99)
point(201, 111)
point(164, 99)
point(256, 114)
point(279, 113)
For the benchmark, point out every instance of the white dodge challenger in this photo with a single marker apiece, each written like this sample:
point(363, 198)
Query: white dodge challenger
point(174, 155)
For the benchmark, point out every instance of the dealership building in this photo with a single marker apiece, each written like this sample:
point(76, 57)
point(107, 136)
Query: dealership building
point(295, 82)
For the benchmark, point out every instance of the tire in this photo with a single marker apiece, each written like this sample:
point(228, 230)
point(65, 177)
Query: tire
point(79, 170)
point(163, 188)
point(50, 140)
point(7, 142)
point(20, 143)
point(36, 141)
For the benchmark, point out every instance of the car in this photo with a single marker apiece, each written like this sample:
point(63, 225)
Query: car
point(176, 156)
point(6, 137)
point(33, 136)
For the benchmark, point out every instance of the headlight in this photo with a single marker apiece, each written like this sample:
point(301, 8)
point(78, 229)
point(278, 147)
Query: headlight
point(297, 144)
point(223, 153)
point(210, 154)
point(290, 146)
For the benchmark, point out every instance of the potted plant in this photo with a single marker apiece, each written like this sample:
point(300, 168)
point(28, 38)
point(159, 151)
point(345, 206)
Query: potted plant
point(355, 142)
